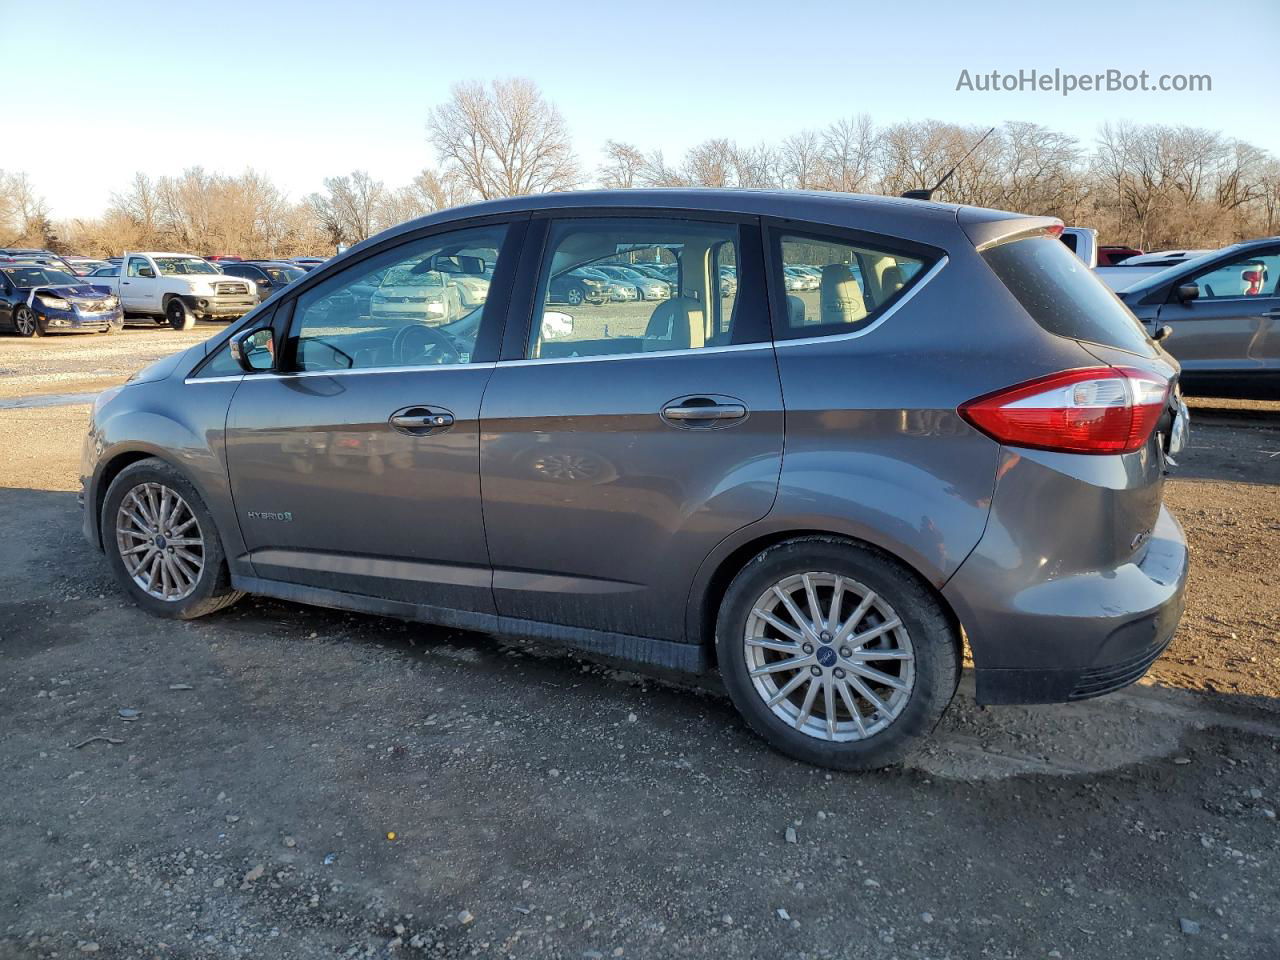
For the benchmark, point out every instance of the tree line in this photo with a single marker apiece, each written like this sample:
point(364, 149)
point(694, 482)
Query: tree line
point(1148, 185)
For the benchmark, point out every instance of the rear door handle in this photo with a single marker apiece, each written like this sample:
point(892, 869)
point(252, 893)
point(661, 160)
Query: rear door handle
point(421, 420)
point(712, 411)
point(704, 411)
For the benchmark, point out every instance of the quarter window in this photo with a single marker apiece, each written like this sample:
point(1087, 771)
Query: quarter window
point(833, 287)
point(419, 304)
point(630, 286)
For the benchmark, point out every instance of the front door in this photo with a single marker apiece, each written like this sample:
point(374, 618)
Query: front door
point(355, 467)
point(138, 285)
point(633, 435)
point(1231, 331)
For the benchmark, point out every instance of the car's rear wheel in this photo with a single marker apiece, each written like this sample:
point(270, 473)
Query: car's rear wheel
point(179, 315)
point(25, 322)
point(835, 653)
point(162, 544)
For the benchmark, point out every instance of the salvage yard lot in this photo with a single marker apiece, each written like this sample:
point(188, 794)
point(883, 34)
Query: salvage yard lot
point(542, 805)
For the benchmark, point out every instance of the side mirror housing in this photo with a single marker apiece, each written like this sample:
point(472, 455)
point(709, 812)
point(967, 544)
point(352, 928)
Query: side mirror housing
point(1187, 292)
point(254, 349)
point(556, 325)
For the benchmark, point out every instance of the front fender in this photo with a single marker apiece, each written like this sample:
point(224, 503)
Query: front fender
point(186, 431)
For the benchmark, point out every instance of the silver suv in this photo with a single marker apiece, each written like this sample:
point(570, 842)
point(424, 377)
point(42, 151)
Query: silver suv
point(819, 490)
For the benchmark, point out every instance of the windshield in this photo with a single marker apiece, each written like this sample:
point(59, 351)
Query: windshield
point(173, 266)
point(38, 276)
point(405, 277)
point(1063, 295)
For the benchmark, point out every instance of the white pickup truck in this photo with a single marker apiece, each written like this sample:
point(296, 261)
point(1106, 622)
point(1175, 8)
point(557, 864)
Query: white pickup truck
point(178, 288)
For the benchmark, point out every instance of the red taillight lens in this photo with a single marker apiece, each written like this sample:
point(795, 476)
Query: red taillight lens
point(1094, 410)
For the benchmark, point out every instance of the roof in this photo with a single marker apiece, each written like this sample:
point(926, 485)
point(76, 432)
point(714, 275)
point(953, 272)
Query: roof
point(925, 220)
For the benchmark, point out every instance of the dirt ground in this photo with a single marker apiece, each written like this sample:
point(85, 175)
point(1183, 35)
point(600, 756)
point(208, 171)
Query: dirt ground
point(304, 783)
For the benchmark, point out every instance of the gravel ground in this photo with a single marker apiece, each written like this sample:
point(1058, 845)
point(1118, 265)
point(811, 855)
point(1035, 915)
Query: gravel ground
point(306, 783)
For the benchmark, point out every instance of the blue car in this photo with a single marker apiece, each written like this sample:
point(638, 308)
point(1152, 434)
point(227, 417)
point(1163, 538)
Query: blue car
point(37, 299)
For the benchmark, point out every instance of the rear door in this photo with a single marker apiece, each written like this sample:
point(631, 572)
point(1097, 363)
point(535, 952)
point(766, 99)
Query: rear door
point(622, 441)
point(355, 466)
point(1232, 328)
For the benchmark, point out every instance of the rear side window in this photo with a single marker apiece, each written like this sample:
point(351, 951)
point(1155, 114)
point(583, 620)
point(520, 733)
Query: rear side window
point(1063, 295)
point(835, 287)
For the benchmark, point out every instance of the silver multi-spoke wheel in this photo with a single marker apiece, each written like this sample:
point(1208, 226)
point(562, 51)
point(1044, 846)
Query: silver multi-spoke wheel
point(160, 541)
point(829, 657)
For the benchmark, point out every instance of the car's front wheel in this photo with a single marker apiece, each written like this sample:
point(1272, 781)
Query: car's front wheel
point(179, 315)
point(25, 322)
point(835, 653)
point(162, 545)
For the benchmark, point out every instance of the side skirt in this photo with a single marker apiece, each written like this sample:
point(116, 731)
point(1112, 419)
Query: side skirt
point(683, 657)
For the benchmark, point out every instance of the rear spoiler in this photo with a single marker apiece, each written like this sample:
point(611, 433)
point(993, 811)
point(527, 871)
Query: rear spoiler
point(986, 228)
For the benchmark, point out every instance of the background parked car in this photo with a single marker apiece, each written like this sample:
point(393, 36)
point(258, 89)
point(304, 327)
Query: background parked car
point(268, 276)
point(1110, 256)
point(308, 263)
point(1222, 310)
point(1140, 267)
point(647, 287)
point(179, 288)
point(578, 286)
point(36, 299)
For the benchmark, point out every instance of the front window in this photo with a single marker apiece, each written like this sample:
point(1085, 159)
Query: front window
point(283, 275)
point(404, 307)
point(1251, 275)
point(177, 266)
point(594, 300)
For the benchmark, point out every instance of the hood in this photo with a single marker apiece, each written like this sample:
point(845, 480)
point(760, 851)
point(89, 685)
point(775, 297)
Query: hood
point(73, 290)
point(162, 368)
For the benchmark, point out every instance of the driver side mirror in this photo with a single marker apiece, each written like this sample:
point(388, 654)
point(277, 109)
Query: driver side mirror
point(254, 349)
point(1187, 292)
point(146, 272)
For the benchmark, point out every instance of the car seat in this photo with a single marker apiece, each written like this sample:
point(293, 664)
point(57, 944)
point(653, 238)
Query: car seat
point(675, 324)
point(840, 299)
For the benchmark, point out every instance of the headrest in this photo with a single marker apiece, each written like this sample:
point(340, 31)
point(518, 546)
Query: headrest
point(840, 296)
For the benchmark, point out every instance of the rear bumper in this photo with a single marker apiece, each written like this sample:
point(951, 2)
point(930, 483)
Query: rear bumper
point(1075, 636)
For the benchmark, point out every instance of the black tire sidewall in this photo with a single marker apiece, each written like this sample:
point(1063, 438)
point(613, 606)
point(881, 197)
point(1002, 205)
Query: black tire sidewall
point(35, 322)
point(933, 641)
point(214, 581)
point(179, 315)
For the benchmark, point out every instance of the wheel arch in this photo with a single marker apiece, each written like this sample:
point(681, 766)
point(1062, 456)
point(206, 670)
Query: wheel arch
point(718, 571)
point(107, 473)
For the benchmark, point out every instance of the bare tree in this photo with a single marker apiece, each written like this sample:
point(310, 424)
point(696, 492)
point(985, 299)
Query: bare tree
point(848, 154)
point(802, 161)
point(504, 139)
point(623, 165)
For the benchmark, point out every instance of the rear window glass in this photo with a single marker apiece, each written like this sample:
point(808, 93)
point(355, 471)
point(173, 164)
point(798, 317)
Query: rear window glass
point(1063, 295)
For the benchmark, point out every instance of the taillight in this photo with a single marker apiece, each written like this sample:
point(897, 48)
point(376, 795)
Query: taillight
point(1094, 410)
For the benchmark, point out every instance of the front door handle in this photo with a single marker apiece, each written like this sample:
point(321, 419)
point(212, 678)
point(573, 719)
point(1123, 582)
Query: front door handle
point(421, 420)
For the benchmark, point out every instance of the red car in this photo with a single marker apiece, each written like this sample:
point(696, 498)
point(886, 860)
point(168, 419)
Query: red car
point(227, 257)
point(1110, 256)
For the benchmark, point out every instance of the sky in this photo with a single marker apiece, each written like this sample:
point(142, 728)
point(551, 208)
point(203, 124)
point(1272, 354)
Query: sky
point(301, 91)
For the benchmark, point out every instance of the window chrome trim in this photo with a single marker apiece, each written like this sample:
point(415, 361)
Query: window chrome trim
point(651, 355)
point(902, 302)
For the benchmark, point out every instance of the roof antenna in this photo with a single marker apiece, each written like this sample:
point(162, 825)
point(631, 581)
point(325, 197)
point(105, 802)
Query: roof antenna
point(928, 193)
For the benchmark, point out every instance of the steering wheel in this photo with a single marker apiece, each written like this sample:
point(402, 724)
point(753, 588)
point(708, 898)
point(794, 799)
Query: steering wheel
point(413, 342)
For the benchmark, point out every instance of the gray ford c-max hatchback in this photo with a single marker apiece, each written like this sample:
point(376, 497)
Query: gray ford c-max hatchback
point(958, 432)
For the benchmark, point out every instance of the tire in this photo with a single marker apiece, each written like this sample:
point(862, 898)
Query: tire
point(925, 666)
point(25, 322)
point(575, 295)
point(114, 328)
point(209, 589)
point(178, 315)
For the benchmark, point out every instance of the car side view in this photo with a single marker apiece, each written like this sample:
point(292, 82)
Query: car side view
point(820, 490)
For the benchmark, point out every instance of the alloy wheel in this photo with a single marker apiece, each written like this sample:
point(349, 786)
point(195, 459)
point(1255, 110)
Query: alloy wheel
point(829, 657)
point(160, 541)
point(25, 321)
